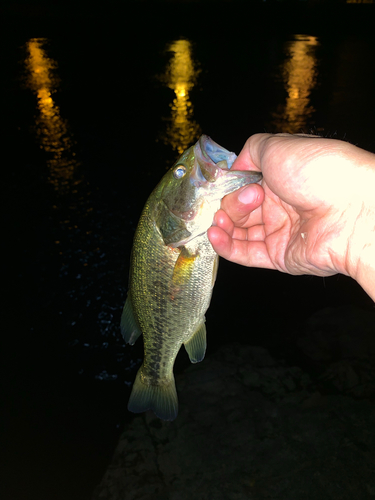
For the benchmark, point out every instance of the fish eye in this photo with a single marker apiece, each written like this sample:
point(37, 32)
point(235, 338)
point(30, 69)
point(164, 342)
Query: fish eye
point(179, 172)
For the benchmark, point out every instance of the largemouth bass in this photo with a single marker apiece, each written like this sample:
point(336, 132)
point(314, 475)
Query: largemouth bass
point(173, 269)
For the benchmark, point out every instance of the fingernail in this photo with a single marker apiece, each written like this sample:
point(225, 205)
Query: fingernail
point(248, 195)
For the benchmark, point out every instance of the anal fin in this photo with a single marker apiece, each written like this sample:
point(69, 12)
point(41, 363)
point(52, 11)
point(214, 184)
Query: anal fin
point(129, 326)
point(196, 346)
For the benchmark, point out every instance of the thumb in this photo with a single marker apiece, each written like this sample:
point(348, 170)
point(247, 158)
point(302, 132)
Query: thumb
point(241, 203)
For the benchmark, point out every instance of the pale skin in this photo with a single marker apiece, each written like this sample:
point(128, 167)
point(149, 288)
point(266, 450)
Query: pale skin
point(314, 212)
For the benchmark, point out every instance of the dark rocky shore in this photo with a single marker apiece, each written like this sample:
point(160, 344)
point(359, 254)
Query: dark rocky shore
point(253, 427)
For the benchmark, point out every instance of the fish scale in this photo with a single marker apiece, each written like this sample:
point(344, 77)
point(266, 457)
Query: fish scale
point(173, 268)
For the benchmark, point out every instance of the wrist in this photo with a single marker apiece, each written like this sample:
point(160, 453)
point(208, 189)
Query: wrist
point(359, 260)
point(361, 255)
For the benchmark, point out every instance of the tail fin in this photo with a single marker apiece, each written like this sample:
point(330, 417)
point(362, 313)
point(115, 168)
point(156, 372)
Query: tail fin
point(161, 399)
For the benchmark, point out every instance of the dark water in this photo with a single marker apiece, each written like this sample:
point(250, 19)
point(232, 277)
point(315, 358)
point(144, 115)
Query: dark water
point(95, 106)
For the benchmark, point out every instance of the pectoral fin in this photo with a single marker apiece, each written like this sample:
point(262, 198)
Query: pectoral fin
point(129, 325)
point(196, 346)
point(172, 228)
point(183, 267)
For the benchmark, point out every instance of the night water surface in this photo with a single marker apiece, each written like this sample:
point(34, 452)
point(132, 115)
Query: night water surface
point(92, 118)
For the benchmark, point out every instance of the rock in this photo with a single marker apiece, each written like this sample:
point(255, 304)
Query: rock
point(248, 428)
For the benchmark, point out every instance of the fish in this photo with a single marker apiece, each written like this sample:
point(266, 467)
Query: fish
point(173, 269)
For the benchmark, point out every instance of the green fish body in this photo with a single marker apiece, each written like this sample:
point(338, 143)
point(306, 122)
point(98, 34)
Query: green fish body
point(173, 269)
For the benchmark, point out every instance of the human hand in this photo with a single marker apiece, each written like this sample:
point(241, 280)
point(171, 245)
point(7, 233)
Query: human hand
point(315, 211)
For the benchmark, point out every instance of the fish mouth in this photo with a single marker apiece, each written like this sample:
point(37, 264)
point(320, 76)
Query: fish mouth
point(213, 164)
point(216, 153)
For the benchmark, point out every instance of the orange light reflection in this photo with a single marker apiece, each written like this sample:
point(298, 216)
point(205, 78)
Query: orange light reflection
point(51, 129)
point(299, 74)
point(181, 76)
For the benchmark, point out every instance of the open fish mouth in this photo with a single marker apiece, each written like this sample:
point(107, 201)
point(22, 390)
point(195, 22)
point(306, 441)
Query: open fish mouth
point(213, 165)
point(216, 153)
